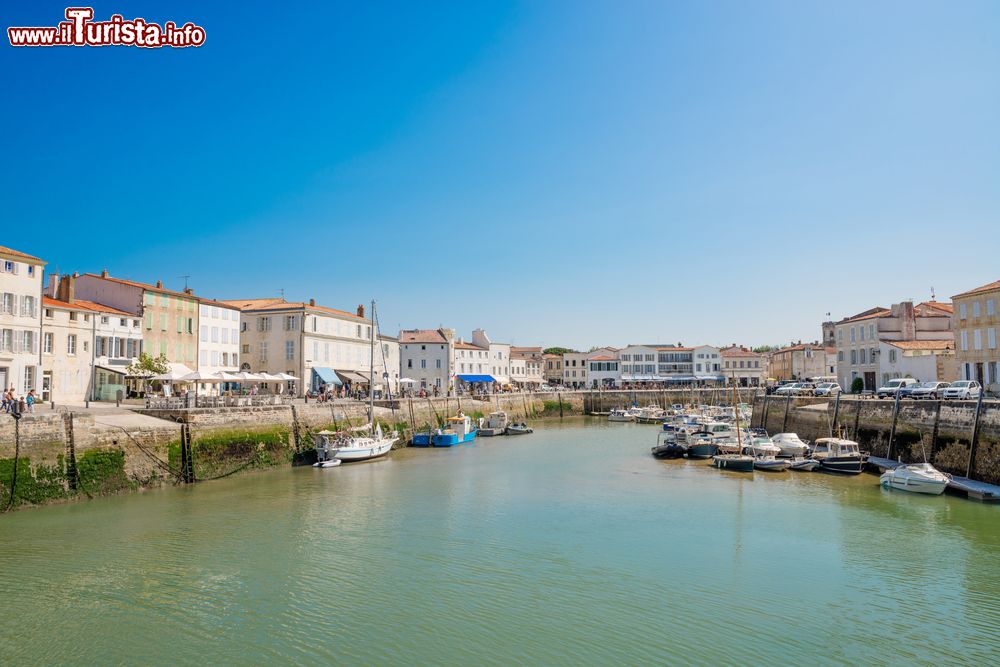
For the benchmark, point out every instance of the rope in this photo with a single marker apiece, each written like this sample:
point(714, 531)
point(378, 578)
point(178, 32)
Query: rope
point(160, 462)
point(17, 455)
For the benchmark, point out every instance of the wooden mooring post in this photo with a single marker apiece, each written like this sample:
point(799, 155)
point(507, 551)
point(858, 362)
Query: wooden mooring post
point(834, 426)
point(934, 433)
point(72, 472)
point(971, 468)
point(857, 416)
point(784, 421)
point(559, 396)
point(763, 416)
point(892, 429)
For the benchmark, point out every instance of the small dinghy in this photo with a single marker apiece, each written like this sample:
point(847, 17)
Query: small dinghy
point(666, 446)
point(771, 464)
point(916, 478)
point(495, 424)
point(519, 429)
point(329, 463)
point(789, 444)
point(803, 464)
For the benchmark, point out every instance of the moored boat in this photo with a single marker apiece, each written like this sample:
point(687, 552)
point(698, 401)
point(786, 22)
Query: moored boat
point(620, 416)
point(803, 464)
point(738, 462)
point(458, 430)
point(771, 464)
point(700, 446)
point(519, 429)
point(789, 444)
point(839, 455)
point(916, 478)
point(494, 424)
point(667, 447)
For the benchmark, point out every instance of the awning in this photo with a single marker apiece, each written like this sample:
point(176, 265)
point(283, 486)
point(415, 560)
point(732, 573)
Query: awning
point(681, 378)
point(326, 375)
point(710, 377)
point(121, 370)
point(351, 376)
point(476, 378)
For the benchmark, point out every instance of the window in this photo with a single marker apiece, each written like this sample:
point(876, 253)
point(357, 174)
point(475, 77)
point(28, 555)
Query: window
point(149, 320)
point(263, 352)
point(48, 313)
point(149, 299)
point(438, 363)
point(215, 357)
point(892, 356)
point(135, 323)
point(164, 302)
point(990, 307)
point(964, 340)
point(31, 269)
point(840, 335)
point(991, 338)
point(853, 339)
point(29, 378)
point(204, 333)
point(840, 356)
point(291, 322)
point(977, 339)
point(246, 348)
point(47, 343)
point(861, 335)
point(962, 312)
point(71, 344)
point(203, 357)
point(854, 357)
point(29, 342)
point(215, 334)
point(976, 312)
point(423, 363)
point(72, 316)
point(409, 363)
point(9, 267)
point(359, 331)
point(264, 324)
point(163, 321)
point(289, 350)
point(871, 332)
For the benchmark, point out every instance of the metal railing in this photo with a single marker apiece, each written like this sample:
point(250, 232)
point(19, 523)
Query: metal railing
point(192, 401)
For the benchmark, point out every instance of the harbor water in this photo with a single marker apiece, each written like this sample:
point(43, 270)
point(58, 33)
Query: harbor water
point(566, 547)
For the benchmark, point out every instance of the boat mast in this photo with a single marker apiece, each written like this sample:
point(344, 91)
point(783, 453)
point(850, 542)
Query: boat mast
point(736, 411)
point(371, 367)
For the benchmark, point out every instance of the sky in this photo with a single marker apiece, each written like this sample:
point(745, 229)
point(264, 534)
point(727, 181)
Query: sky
point(559, 173)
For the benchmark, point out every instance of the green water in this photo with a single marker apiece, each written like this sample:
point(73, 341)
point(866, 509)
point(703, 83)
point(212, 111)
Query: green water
point(570, 546)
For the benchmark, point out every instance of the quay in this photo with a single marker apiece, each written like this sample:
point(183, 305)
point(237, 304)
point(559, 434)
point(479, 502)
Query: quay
point(973, 489)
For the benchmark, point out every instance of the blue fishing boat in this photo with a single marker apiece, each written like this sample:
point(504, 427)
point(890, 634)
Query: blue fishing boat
point(457, 430)
point(421, 439)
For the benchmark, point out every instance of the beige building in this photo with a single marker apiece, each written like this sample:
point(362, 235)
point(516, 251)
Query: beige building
point(743, 366)
point(20, 320)
point(527, 367)
point(976, 323)
point(798, 362)
point(858, 337)
point(169, 318)
point(321, 346)
point(552, 369)
point(427, 357)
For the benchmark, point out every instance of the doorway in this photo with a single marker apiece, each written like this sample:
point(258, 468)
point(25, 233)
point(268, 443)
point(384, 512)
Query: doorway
point(870, 381)
point(46, 386)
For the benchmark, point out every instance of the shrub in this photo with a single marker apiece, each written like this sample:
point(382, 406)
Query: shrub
point(857, 386)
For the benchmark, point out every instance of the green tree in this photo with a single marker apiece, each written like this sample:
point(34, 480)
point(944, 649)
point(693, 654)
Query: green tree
point(765, 348)
point(147, 364)
point(857, 386)
point(557, 350)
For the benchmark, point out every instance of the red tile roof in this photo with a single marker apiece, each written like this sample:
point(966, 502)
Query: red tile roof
point(877, 311)
point(17, 253)
point(261, 305)
point(988, 287)
point(462, 345)
point(422, 336)
point(935, 305)
point(145, 286)
point(526, 350)
point(737, 351)
point(77, 304)
point(602, 357)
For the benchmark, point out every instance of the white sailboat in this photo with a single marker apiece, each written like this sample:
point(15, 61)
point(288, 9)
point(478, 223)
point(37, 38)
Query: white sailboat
point(347, 447)
point(916, 478)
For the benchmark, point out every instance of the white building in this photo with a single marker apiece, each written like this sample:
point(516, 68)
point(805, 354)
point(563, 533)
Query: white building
point(218, 337)
point(743, 366)
point(603, 371)
point(923, 360)
point(427, 356)
point(20, 320)
point(526, 368)
point(499, 356)
point(707, 363)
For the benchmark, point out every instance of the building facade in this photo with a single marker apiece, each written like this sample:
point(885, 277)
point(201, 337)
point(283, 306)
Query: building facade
point(743, 366)
point(218, 337)
point(169, 318)
point(604, 371)
point(923, 360)
point(321, 346)
point(427, 356)
point(553, 368)
point(858, 337)
point(798, 362)
point(976, 324)
point(20, 320)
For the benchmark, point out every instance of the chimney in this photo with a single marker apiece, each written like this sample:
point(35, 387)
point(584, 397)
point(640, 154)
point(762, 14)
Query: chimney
point(312, 302)
point(907, 321)
point(361, 311)
point(67, 289)
point(76, 274)
point(104, 273)
point(159, 284)
point(188, 290)
point(53, 289)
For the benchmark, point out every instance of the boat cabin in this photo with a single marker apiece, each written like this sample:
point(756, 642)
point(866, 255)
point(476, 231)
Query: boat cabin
point(835, 447)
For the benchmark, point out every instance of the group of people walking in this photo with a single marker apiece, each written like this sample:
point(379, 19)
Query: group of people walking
point(11, 403)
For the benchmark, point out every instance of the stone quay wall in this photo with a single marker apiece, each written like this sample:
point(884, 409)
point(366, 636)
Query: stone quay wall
point(939, 432)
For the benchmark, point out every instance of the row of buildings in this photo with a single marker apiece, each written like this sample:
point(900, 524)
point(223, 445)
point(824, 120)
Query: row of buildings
point(73, 337)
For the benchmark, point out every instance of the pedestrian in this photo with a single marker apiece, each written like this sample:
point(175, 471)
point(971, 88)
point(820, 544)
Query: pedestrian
point(30, 401)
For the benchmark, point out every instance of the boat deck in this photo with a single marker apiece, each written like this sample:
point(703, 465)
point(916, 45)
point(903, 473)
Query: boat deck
point(974, 490)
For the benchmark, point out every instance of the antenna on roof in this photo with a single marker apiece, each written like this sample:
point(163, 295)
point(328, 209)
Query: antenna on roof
point(185, 281)
point(281, 291)
point(933, 297)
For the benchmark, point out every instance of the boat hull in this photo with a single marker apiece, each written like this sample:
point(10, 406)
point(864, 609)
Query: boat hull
point(930, 487)
point(702, 451)
point(421, 440)
point(451, 439)
point(669, 452)
point(803, 465)
point(734, 463)
point(772, 465)
point(373, 451)
point(844, 465)
point(490, 432)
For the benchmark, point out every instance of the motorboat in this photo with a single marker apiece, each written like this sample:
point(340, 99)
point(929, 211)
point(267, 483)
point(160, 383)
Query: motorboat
point(916, 478)
point(328, 463)
point(620, 416)
point(803, 464)
point(762, 447)
point(495, 424)
point(771, 464)
point(700, 446)
point(839, 455)
point(790, 444)
point(651, 414)
point(519, 429)
point(667, 446)
point(347, 447)
point(422, 439)
point(458, 430)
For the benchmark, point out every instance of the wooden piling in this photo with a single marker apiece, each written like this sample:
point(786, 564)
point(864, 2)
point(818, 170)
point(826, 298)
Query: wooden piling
point(934, 433)
point(559, 396)
point(72, 472)
point(784, 421)
point(834, 426)
point(892, 429)
point(857, 416)
point(971, 468)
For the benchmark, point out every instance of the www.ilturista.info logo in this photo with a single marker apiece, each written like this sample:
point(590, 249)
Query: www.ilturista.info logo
point(79, 29)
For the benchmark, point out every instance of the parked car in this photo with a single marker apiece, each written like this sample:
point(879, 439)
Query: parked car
point(806, 389)
point(927, 390)
point(963, 389)
point(889, 389)
point(827, 389)
point(790, 389)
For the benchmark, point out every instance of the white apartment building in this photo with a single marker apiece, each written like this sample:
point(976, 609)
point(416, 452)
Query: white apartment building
point(20, 320)
point(427, 356)
point(639, 363)
point(923, 360)
point(321, 346)
point(218, 337)
point(499, 356)
point(603, 371)
point(707, 363)
point(858, 337)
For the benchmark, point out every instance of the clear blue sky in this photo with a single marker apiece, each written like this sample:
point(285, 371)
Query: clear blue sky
point(575, 173)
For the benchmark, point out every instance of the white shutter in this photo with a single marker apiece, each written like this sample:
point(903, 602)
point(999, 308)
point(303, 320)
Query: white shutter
point(18, 341)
